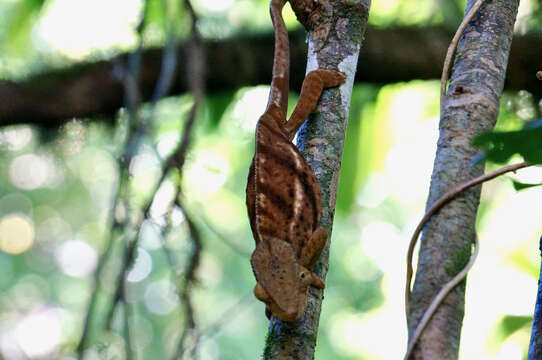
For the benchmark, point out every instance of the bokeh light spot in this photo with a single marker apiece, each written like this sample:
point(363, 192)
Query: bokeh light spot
point(162, 200)
point(16, 234)
point(209, 172)
point(160, 297)
point(76, 258)
point(15, 138)
point(217, 5)
point(116, 23)
point(145, 169)
point(142, 266)
point(31, 171)
point(248, 108)
point(39, 333)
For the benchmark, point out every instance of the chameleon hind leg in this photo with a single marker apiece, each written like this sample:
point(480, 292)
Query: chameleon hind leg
point(311, 252)
point(312, 87)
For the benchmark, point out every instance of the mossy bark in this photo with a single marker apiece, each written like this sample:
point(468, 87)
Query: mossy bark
point(335, 39)
point(470, 107)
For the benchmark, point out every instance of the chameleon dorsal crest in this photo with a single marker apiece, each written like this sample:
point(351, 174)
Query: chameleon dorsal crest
point(284, 202)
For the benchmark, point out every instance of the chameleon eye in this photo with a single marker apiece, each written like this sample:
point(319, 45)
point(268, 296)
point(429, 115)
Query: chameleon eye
point(303, 275)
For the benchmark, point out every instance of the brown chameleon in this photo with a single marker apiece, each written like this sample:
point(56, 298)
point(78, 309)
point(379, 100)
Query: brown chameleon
point(283, 198)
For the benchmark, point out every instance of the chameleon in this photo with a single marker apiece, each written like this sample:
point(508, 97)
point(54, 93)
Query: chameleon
point(283, 198)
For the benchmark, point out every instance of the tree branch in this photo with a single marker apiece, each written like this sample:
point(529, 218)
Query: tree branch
point(459, 277)
point(469, 108)
point(333, 45)
point(535, 346)
point(390, 55)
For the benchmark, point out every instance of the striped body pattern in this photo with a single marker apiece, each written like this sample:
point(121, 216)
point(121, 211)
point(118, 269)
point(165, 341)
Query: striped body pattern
point(283, 198)
point(287, 202)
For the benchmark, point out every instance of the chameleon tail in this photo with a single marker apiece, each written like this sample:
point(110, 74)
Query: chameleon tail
point(281, 60)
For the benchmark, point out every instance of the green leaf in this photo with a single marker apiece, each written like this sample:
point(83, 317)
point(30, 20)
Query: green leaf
point(20, 22)
point(216, 105)
point(501, 146)
point(154, 13)
point(520, 186)
point(509, 324)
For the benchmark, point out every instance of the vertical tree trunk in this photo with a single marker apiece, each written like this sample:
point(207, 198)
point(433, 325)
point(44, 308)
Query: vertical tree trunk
point(470, 107)
point(336, 31)
point(535, 346)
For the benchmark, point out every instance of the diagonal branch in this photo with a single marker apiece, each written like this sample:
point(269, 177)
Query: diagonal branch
point(90, 89)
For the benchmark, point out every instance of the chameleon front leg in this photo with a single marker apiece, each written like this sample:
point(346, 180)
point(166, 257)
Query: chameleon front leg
point(312, 87)
point(311, 252)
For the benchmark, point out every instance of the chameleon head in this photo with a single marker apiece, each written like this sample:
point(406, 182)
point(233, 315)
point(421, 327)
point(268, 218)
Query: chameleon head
point(287, 305)
point(282, 281)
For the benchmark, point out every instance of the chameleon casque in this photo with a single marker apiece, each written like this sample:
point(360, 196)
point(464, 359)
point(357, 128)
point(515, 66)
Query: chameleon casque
point(283, 198)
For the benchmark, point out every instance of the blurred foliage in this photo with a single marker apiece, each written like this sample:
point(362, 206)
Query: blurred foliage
point(501, 146)
point(505, 141)
point(520, 186)
point(19, 18)
point(57, 188)
point(71, 206)
point(28, 43)
point(512, 326)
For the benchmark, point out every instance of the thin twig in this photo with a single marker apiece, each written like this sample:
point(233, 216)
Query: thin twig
point(126, 329)
point(196, 74)
point(161, 89)
point(440, 297)
point(185, 288)
point(132, 99)
point(176, 160)
point(136, 131)
point(453, 46)
point(120, 291)
point(438, 204)
point(452, 283)
point(96, 280)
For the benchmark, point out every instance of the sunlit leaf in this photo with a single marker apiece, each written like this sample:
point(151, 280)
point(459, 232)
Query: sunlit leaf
point(20, 22)
point(154, 12)
point(524, 263)
point(509, 324)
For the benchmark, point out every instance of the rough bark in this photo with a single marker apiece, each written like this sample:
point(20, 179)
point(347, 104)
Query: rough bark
point(333, 45)
point(535, 346)
point(470, 107)
point(388, 56)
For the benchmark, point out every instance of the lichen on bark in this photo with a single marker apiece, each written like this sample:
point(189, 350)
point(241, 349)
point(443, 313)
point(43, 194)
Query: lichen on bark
point(335, 39)
point(469, 108)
